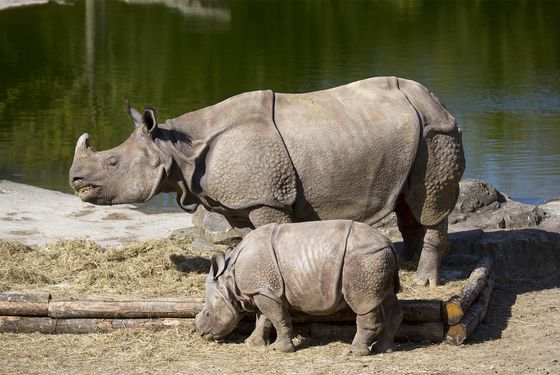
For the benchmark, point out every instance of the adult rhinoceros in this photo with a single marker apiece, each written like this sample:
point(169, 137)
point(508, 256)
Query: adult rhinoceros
point(358, 151)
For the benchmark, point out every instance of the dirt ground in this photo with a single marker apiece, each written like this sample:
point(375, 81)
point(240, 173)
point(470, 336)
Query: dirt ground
point(521, 332)
point(520, 335)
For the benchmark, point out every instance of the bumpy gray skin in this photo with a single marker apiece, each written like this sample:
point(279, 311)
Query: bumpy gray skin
point(355, 152)
point(317, 268)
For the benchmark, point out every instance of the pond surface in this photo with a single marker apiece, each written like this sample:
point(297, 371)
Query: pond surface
point(67, 69)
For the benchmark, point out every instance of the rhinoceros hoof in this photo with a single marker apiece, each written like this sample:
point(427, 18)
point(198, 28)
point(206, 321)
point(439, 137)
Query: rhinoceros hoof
point(379, 348)
point(283, 346)
point(358, 351)
point(423, 280)
point(255, 341)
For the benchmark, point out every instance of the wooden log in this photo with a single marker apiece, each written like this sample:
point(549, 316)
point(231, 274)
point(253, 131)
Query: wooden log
point(414, 311)
point(459, 332)
point(14, 324)
point(20, 304)
point(173, 308)
point(419, 310)
point(420, 331)
point(26, 324)
point(456, 307)
point(432, 331)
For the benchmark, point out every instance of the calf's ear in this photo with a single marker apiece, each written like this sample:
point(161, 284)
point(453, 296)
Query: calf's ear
point(217, 265)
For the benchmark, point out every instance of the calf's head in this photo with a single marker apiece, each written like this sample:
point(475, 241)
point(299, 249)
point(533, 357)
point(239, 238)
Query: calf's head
point(129, 173)
point(218, 316)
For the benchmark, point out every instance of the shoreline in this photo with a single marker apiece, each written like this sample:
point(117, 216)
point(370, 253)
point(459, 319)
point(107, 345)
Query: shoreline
point(37, 216)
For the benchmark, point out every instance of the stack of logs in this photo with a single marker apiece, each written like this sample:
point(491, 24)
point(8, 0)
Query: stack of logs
point(433, 320)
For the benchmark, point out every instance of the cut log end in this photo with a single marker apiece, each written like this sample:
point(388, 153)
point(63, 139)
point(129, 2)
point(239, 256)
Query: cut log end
point(457, 334)
point(453, 312)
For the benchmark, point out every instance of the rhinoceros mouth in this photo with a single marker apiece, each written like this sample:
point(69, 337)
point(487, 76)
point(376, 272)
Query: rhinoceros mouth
point(87, 191)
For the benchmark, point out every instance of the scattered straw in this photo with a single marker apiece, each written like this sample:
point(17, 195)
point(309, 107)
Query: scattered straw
point(156, 268)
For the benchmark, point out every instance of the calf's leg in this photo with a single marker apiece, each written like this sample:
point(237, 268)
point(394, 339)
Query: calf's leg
point(279, 316)
point(368, 328)
point(259, 337)
point(392, 317)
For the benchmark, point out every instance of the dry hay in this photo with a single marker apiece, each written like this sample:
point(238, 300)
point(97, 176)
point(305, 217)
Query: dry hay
point(78, 268)
point(157, 268)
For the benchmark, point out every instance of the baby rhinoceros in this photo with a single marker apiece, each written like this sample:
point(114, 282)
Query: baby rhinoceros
point(313, 267)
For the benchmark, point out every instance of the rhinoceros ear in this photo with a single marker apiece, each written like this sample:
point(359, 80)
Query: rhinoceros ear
point(134, 114)
point(217, 265)
point(149, 119)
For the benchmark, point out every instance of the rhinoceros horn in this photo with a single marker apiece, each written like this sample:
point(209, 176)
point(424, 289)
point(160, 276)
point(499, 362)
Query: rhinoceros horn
point(82, 146)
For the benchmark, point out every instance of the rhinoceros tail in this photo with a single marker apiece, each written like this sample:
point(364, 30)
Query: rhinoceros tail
point(396, 279)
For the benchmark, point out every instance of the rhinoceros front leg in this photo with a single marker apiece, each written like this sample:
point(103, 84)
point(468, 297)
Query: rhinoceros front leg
point(280, 318)
point(259, 337)
point(435, 245)
point(263, 215)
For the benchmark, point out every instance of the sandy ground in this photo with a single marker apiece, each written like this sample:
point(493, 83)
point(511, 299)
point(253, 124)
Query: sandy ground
point(38, 216)
point(520, 335)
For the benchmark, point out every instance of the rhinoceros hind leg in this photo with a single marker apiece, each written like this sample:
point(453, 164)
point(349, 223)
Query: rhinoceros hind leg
point(263, 215)
point(368, 328)
point(411, 230)
point(392, 317)
point(260, 336)
point(435, 245)
point(280, 319)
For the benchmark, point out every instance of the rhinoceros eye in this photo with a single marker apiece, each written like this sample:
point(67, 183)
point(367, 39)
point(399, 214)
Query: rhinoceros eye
point(112, 161)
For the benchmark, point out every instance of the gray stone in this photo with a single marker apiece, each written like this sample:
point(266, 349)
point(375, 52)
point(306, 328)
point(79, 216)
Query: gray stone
point(475, 195)
point(481, 206)
point(519, 254)
point(213, 226)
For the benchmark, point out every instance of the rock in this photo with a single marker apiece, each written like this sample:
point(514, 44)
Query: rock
point(475, 195)
point(552, 221)
point(481, 206)
point(201, 244)
point(212, 226)
point(520, 254)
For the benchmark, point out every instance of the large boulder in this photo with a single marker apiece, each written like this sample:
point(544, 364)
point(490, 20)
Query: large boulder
point(481, 206)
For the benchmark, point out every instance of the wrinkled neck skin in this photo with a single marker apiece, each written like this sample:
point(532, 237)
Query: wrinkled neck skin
point(176, 180)
point(241, 302)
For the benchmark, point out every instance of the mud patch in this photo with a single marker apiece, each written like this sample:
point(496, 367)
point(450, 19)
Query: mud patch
point(23, 232)
point(116, 216)
point(82, 213)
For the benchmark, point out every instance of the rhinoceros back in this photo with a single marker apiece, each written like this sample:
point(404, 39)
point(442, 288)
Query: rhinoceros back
point(310, 258)
point(352, 146)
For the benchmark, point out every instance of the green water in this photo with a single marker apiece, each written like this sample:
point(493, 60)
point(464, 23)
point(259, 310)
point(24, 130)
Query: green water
point(66, 70)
